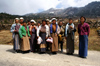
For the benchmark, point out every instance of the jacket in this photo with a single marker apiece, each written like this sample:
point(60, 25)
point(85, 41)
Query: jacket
point(22, 32)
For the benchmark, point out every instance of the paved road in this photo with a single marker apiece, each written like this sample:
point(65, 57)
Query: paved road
point(9, 58)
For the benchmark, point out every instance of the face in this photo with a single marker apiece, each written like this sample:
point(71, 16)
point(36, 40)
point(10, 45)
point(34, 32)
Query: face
point(43, 23)
point(21, 20)
point(29, 23)
point(70, 21)
point(16, 21)
point(47, 22)
point(38, 24)
point(60, 23)
point(24, 24)
point(82, 20)
point(54, 21)
point(32, 23)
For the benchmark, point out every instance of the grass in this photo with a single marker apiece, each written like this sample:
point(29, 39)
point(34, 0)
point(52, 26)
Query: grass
point(6, 37)
point(93, 43)
point(93, 40)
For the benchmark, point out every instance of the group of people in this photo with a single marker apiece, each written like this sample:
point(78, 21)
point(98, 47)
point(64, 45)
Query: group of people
point(27, 33)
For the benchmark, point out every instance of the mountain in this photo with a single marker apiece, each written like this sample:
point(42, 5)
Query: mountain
point(90, 10)
point(53, 11)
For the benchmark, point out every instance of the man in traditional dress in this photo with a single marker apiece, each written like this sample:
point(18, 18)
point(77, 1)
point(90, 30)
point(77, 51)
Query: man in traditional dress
point(69, 35)
point(15, 30)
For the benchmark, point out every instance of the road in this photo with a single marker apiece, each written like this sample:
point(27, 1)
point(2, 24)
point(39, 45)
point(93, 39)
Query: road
point(9, 58)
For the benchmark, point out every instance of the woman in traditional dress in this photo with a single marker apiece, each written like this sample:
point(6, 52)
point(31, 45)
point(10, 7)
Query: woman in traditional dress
point(29, 23)
point(15, 30)
point(24, 35)
point(38, 25)
point(83, 30)
point(33, 30)
point(61, 36)
point(43, 32)
point(69, 35)
point(54, 31)
point(48, 43)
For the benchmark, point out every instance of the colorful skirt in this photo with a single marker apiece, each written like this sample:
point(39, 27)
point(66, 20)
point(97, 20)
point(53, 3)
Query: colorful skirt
point(25, 45)
point(54, 45)
point(43, 43)
point(16, 42)
point(33, 42)
point(83, 45)
point(70, 44)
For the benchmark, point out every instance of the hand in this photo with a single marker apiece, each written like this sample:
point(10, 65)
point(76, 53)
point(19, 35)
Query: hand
point(29, 38)
point(14, 30)
point(55, 34)
point(46, 37)
point(65, 37)
point(71, 27)
point(37, 36)
point(49, 37)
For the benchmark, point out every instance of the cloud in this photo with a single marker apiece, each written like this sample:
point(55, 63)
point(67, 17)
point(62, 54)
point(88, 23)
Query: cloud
point(21, 7)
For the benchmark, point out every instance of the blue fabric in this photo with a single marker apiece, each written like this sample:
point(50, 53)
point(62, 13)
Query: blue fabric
point(43, 36)
point(16, 42)
point(83, 45)
point(66, 28)
point(12, 30)
point(51, 31)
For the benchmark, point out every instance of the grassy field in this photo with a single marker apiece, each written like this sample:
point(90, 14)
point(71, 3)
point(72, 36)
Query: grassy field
point(94, 39)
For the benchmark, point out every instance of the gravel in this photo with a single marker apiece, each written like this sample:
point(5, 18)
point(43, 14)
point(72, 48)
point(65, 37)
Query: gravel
point(9, 58)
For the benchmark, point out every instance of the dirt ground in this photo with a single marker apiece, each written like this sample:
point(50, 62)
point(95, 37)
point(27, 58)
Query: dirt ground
point(94, 39)
point(8, 57)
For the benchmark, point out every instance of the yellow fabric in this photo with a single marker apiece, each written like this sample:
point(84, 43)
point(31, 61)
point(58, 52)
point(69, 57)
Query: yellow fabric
point(60, 37)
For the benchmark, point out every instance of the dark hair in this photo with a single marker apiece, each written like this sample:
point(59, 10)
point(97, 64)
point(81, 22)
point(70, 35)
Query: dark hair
point(60, 21)
point(24, 21)
point(83, 17)
point(39, 22)
point(28, 20)
point(44, 20)
point(70, 19)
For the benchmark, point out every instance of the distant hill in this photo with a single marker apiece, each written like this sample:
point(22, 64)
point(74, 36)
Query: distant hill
point(90, 10)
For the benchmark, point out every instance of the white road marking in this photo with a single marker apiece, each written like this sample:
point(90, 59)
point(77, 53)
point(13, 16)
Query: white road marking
point(34, 59)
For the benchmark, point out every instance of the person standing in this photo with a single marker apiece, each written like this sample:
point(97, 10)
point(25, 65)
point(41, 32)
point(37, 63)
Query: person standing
point(38, 25)
point(48, 43)
point(61, 36)
point(69, 35)
point(54, 31)
point(29, 23)
point(15, 30)
point(48, 22)
point(83, 30)
point(43, 32)
point(25, 36)
point(33, 30)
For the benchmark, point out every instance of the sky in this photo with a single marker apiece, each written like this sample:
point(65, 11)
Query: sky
point(21, 7)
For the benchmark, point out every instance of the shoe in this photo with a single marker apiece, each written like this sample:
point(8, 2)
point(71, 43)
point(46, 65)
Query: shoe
point(83, 57)
point(61, 51)
point(68, 53)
